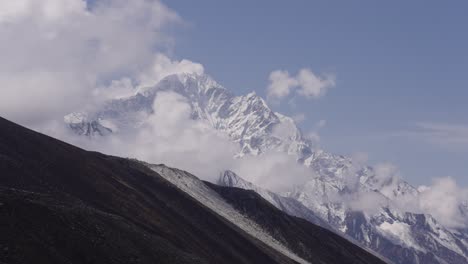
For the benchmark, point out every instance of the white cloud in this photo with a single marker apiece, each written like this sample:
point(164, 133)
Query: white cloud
point(117, 89)
point(306, 84)
point(444, 200)
point(172, 137)
point(368, 202)
point(385, 172)
point(387, 176)
point(55, 53)
point(275, 171)
point(281, 84)
point(313, 86)
point(168, 136)
point(62, 55)
point(299, 118)
point(314, 135)
point(163, 66)
point(12, 11)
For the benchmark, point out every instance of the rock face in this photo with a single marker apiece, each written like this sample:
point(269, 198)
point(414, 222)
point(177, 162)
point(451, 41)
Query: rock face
point(61, 204)
point(295, 232)
point(286, 204)
point(403, 237)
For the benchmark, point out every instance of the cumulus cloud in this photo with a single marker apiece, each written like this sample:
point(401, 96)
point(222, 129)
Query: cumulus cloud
point(281, 84)
point(445, 201)
point(275, 171)
point(56, 52)
point(305, 83)
point(163, 66)
point(368, 202)
point(50, 10)
point(312, 85)
point(59, 56)
point(116, 89)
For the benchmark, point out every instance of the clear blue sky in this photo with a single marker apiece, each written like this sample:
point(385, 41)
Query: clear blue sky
point(398, 63)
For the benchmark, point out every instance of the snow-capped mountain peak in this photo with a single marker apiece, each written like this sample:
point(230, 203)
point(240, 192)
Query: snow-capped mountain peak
point(247, 119)
point(330, 197)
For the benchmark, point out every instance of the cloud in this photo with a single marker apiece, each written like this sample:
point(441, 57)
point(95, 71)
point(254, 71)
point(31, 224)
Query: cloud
point(313, 86)
point(163, 66)
point(59, 56)
point(169, 135)
point(55, 53)
point(49, 10)
point(385, 173)
point(275, 171)
point(444, 200)
point(281, 84)
point(306, 84)
point(314, 135)
point(116, 89)
point(299, 117)
point(367, 202)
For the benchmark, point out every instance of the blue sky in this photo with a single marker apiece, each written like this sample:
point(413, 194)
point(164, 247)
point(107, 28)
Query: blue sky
point(400, 66)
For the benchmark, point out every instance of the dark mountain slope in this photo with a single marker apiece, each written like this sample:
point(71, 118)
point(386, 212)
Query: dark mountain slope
point(307, 240)
point(61, 204)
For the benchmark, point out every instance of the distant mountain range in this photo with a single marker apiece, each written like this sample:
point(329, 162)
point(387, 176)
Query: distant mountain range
point(401, 236)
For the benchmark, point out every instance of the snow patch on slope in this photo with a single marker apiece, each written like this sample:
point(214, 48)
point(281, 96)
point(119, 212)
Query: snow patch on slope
point(202, 193)
point(400, 233)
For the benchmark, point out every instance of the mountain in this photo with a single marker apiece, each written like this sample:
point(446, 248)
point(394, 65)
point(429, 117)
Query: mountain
point(62, 204)
point(286, 204)
point(295, 232)
point(404, 237)
point(297, 235)
point(401, 237)
point(247, 120)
